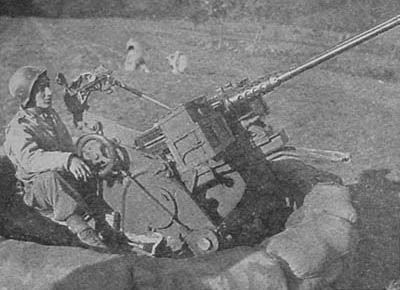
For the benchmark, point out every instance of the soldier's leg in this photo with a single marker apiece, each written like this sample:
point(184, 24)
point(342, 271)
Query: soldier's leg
point(98, 208)
point(92, 196)
point(54, 197)
point(95, 209)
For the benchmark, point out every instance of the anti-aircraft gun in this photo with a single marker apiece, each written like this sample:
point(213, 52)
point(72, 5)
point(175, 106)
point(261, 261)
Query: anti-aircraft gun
point(201, 175)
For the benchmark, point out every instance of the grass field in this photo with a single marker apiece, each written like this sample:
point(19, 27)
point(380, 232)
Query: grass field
point(349, 104)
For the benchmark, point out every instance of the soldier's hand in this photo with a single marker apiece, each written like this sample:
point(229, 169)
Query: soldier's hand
point(79, 169)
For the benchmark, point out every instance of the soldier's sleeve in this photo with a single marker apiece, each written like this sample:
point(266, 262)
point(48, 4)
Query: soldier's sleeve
point(27, 153)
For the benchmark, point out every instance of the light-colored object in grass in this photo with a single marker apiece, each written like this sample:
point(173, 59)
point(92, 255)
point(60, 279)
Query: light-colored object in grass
point(178, 62)
point(394, 285)
point(135, 57)
point(394, 174)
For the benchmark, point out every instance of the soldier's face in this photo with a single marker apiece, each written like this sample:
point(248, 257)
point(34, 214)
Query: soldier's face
point(44, 95)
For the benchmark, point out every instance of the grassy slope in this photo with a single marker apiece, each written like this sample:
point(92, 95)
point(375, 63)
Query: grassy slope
point(346, 104)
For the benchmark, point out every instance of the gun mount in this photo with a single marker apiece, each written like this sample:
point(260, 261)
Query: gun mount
point(217, 187)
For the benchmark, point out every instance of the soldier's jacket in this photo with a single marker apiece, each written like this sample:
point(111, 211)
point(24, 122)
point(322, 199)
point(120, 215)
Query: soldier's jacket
point(37, 141)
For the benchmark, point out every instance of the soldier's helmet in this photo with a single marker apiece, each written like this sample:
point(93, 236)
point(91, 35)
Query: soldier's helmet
point(22, 81)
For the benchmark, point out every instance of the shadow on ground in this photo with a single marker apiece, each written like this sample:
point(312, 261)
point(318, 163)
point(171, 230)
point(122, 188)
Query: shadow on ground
point(377, 261)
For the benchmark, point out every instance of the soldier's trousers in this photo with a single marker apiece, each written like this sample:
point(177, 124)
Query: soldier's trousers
point(58, 196)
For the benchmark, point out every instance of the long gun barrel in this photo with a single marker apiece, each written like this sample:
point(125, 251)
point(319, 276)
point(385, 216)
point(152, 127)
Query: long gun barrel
point(274, 81)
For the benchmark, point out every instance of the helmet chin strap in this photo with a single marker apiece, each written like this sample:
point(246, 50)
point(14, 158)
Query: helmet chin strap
point(31, 103)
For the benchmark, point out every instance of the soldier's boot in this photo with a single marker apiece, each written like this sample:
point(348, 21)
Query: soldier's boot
point(85, 233)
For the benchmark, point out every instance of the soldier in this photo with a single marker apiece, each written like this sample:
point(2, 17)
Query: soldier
point(40, 147)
